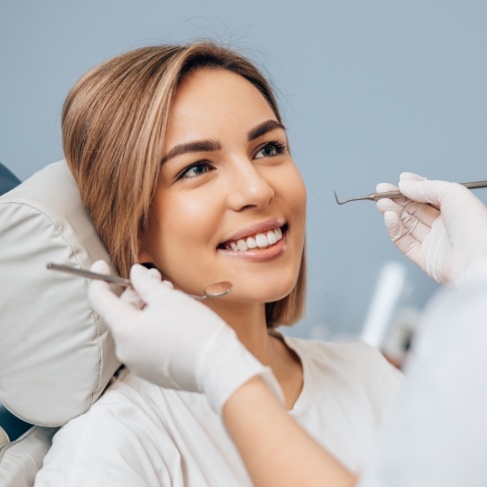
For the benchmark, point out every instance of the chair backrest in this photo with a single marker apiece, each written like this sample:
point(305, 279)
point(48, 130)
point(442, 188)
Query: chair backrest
point(12, 429)
point(56, 355)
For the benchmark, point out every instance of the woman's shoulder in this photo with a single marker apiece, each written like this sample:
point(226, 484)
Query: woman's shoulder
point(122, 411)
point(115, 432)
point(352, 374)
point(335, 351)
point(347, 359)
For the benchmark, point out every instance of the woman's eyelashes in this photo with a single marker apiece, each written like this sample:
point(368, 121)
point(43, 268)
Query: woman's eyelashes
point(271, 149)
point(195, 169)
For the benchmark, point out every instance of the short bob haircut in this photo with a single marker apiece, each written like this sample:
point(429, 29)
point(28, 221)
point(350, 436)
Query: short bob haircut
point(113, 123)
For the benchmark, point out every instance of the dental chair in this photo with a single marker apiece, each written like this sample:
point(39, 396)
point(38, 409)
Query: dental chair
point(56, 355)
point(8, 180)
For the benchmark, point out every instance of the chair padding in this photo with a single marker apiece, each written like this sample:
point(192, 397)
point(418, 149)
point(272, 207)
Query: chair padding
point(21, 460)
point(56, 355)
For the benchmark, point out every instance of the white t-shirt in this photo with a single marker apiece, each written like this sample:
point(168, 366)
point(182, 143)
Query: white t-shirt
point(138, 434)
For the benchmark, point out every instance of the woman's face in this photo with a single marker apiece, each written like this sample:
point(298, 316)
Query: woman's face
point(230, 203)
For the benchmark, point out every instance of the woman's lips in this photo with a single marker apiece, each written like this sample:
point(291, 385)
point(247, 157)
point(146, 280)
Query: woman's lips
point(259, 254)
point(257, 241)
point(255, 228)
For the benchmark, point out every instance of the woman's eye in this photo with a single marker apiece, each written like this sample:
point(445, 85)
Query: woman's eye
point(195, 170)
point(271, 149)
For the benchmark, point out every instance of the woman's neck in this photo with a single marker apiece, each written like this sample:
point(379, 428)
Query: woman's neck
point(248, 321)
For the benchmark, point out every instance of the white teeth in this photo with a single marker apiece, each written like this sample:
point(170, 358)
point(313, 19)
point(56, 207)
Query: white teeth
point(251, 243)
point(271, 237)
point(261, 240)
point(242, 245)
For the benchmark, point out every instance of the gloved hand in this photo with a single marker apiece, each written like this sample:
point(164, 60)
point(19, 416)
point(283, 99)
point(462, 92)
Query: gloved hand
point(440, 226)
point(175, 341)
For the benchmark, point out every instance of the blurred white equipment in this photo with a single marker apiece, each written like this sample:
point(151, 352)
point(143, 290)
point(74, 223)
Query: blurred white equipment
point(389, 325)
point(390, 286)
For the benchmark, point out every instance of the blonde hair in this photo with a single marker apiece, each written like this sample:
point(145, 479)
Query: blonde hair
point(113, 123)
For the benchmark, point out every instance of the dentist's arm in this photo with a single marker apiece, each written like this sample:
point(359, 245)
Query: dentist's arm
point(440, 226)
point(435, 435)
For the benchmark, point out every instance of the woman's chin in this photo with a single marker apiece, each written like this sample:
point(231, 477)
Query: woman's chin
point(262, 293)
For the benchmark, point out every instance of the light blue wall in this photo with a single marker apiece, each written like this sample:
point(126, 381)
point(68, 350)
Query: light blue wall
point(368, 89)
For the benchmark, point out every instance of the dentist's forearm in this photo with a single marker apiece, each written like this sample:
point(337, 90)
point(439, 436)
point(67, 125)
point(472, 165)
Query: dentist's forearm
point(274, 447)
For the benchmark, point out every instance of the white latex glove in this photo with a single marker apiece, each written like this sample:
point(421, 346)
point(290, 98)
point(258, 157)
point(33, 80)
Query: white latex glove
point(440, 226)
point(175, 341)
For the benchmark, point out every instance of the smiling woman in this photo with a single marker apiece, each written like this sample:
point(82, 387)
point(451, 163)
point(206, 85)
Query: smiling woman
point(183, 161)
point(229, 179)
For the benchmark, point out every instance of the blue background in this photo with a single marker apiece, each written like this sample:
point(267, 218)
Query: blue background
point(368, 89)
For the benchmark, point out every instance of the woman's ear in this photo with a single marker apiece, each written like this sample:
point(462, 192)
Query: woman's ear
point(145, 259)
point(144, 255)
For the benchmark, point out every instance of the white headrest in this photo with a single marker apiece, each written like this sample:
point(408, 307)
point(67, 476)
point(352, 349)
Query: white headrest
point(56, 355)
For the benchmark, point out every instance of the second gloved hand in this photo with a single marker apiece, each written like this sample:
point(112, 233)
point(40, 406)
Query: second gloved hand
point(440, 226)
point(175, 341)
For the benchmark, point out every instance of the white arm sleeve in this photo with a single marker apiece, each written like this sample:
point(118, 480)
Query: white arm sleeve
point(437, 433)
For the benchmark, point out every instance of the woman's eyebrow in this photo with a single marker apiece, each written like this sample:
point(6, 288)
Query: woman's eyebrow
point(263, 128)
point(197, 146)
point(214, 145)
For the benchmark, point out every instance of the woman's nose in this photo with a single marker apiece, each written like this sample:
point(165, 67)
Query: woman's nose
point(249, 188)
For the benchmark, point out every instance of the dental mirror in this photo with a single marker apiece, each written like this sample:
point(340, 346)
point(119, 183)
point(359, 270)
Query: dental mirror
point(215, 290)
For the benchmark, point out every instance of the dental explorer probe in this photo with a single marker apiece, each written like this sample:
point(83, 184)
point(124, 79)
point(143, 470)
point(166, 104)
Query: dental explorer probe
point(215, 290)
point(397, 193)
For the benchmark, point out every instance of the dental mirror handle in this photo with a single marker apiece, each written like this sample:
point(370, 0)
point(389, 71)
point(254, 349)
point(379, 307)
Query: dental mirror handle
point(215, 290)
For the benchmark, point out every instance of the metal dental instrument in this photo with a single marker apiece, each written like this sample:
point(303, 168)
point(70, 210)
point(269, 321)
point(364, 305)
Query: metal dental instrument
point(397, 193)
point(215, 290)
